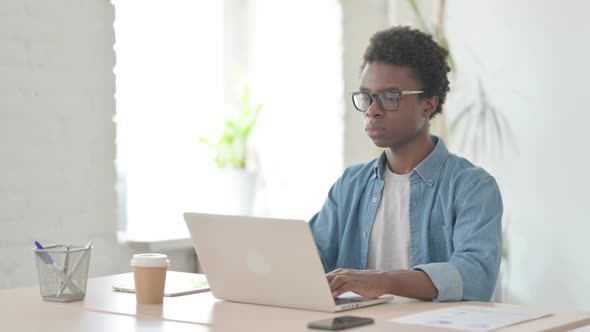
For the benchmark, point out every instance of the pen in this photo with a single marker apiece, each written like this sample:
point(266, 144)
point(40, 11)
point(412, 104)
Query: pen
point(44, 256)
point(77, 264)
point(84, 253)
point(66, 265)
point(67, 260)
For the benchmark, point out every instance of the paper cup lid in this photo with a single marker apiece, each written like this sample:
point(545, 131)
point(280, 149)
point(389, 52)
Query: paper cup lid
point(150, 260)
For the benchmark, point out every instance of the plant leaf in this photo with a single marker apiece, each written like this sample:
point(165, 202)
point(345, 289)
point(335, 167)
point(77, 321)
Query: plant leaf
point(459, 118)
point(419, 15)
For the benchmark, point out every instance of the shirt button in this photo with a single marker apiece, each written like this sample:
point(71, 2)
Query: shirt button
point(364, 234)
point(429, 180)
point(375, 199)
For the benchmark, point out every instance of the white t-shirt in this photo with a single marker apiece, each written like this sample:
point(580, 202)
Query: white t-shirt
point(389, 244)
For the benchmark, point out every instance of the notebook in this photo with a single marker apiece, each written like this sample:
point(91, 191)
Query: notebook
point(177, 283)
point(265, 261)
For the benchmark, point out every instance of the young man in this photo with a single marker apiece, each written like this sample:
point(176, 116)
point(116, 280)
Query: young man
point(418, 221)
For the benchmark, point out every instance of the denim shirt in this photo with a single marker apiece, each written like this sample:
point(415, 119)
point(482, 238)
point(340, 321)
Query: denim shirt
point(455, 222)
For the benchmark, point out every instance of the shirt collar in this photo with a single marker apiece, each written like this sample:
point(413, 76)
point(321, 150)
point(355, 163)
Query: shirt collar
point(428, 169)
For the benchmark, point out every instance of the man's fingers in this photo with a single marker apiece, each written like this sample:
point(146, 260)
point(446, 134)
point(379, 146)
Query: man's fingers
point(341, 288)
point(337, 281)
point(340, 281)
point(331, 275)
point(360, 282)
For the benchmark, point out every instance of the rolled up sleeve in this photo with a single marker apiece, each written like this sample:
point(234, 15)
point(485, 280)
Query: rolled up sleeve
point(446, 278)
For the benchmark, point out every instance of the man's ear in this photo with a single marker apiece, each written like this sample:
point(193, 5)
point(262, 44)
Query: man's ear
point(430, 104)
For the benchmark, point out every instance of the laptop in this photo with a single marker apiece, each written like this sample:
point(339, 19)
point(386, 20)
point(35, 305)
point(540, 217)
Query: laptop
point(266, 261)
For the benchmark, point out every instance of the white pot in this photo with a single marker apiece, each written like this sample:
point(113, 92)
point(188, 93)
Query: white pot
point(239, 190)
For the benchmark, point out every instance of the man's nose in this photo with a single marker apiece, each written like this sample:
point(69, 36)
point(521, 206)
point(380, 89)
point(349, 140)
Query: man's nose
point(374, 110)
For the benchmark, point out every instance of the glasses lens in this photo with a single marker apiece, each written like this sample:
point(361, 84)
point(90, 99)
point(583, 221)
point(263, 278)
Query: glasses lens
point(389, 100)
point(361, 101)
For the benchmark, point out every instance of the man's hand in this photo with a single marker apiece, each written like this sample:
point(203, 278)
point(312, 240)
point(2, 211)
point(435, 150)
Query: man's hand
point(372, 284)
point(366, 283)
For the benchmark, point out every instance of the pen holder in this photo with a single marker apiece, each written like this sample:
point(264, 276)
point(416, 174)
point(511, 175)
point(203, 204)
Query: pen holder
point(63, 272)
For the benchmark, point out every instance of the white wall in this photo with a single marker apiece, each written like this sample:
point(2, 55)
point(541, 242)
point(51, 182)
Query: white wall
point(360, 20)
point(533, 56)
point(56, 133)
point(57, 138)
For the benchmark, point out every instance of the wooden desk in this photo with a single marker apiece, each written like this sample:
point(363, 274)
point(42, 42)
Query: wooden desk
point(105, 310)
point(22, 309)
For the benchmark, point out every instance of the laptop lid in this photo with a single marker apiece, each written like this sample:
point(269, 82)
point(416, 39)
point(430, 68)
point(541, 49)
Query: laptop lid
point(263, 261)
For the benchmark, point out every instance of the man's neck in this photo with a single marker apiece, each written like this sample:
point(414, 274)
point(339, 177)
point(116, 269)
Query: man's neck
point(403, 159)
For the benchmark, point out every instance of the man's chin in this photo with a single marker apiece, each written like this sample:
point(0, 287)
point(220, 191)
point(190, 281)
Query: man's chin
point(380, 143)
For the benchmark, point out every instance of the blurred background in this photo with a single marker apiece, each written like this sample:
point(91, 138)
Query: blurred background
point(117, 117)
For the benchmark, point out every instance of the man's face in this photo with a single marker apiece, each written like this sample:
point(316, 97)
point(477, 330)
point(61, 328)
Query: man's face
point(394, 129)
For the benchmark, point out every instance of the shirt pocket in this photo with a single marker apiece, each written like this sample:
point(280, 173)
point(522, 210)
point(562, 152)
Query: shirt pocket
point(440, 233)
point(440, 243)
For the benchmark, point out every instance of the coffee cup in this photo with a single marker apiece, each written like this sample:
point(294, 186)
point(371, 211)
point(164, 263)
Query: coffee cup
point(149, 273)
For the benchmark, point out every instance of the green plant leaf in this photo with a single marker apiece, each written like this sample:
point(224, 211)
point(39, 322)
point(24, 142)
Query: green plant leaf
point(203, 140)
point(231, 147)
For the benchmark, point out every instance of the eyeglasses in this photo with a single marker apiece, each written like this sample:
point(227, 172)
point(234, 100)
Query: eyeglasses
point(388, 100)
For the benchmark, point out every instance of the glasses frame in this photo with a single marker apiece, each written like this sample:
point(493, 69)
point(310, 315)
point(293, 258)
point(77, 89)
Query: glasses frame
point(377, 96)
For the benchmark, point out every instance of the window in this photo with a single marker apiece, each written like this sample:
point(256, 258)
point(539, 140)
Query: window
point(173, 60)
point(295, 52)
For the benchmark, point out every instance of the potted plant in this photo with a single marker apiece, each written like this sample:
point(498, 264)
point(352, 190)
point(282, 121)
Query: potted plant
point(231, 155)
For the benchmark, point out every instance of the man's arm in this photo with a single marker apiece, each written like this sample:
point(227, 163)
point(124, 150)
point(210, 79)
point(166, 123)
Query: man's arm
point(470, 274)
point(368, 283)
point(472, 271)
point(324, 227)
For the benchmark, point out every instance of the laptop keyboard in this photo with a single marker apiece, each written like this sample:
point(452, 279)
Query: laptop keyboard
point(345, 300)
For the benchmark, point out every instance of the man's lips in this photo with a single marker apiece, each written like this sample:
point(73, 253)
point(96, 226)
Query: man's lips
point(373, 130)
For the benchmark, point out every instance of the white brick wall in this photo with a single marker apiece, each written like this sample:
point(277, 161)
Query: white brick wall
point(57, 146)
